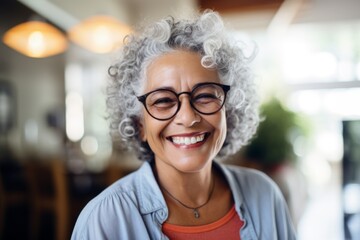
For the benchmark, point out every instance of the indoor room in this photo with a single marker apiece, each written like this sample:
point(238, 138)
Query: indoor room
point(56, 150)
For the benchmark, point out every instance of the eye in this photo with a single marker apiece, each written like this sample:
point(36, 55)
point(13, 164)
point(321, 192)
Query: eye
point(205, 98)
point(163, 104)
point(164, 101)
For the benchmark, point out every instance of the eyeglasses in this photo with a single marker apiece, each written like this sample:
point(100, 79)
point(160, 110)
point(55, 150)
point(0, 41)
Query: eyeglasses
point(206, 98)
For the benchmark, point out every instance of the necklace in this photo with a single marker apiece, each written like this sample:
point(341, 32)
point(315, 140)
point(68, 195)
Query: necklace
point(195, 209)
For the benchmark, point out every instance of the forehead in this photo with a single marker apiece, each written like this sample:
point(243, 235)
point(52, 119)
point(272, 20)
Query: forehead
point(178, 70)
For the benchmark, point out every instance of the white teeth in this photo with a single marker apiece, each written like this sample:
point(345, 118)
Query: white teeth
point(188, 140)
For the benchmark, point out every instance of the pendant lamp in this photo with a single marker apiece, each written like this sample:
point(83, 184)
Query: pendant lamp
point(99, 34)
point(36, 39)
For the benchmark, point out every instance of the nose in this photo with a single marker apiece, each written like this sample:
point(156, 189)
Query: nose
point(186, 116)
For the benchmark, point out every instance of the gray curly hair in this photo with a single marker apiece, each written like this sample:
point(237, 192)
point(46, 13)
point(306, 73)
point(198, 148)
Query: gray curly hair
point(204, 34)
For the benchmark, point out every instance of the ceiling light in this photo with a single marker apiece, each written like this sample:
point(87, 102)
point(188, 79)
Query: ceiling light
point(99, 34)
point(36, 39)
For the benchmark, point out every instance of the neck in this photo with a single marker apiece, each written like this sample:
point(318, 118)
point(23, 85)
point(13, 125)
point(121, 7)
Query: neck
point(192, 188)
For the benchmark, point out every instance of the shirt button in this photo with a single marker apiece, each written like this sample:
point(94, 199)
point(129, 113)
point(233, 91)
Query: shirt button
point(162, 214)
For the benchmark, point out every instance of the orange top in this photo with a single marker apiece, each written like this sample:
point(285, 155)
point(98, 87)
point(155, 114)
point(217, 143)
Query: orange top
point(227, 227)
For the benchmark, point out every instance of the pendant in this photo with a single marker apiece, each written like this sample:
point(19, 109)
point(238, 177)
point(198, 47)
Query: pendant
point(196, 213)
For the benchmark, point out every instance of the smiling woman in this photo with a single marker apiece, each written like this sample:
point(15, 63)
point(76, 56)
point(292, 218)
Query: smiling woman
point(181, 96)
point(193, 115)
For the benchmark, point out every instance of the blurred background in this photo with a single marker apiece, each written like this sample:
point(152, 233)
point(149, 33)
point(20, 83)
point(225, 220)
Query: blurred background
point(55, 150)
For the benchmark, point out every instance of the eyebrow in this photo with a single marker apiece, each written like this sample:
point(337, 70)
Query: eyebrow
point(164, 88)
point(172, 89)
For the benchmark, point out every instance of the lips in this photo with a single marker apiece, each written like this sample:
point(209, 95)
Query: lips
point(187, 140)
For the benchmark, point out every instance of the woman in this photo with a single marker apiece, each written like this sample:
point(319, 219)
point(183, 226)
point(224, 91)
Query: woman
point(181, 97)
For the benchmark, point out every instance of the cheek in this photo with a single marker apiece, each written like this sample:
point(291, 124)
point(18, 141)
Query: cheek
point(142, 128)
point(222, 128)
point(219, 124)
point(151, 128)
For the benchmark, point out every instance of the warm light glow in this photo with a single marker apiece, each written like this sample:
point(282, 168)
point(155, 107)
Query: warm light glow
point(36, 43)
point(36, 39)
point(99, 34)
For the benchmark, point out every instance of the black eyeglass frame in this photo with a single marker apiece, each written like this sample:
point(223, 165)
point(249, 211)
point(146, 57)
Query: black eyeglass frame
point(224, 87)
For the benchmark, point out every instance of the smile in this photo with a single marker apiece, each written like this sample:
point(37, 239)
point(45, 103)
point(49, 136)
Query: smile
point(188, 140)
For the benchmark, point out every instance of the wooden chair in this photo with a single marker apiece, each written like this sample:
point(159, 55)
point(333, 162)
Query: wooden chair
point(114, 172)
point(10, 197)
point(49, 193)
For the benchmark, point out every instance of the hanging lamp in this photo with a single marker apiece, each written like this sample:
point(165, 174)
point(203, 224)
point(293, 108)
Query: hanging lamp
point(99, 34)
point(36, 39)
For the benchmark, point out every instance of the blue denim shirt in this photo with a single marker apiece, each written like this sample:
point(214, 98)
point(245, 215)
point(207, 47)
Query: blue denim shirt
point(134, 208)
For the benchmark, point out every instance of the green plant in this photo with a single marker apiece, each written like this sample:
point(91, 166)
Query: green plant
point(272, 145)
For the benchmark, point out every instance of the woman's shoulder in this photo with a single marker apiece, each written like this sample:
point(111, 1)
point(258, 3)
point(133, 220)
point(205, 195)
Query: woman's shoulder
point(125, 188)
point(250, 181)
point(246, 174)
point(136, 188)
point(115, 204)
point(262, 200)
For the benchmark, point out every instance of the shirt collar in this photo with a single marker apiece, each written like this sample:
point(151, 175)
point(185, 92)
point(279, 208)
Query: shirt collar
point(150, 195)
point(234, 185)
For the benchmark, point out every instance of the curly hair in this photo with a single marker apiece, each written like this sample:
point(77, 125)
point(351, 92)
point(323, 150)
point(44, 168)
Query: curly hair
point(204, 34)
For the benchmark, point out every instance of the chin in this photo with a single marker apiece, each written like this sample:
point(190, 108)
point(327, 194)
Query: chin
point(191, 165)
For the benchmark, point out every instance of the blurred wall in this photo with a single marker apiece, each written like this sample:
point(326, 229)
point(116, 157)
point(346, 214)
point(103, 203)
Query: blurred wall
point(39, 88)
